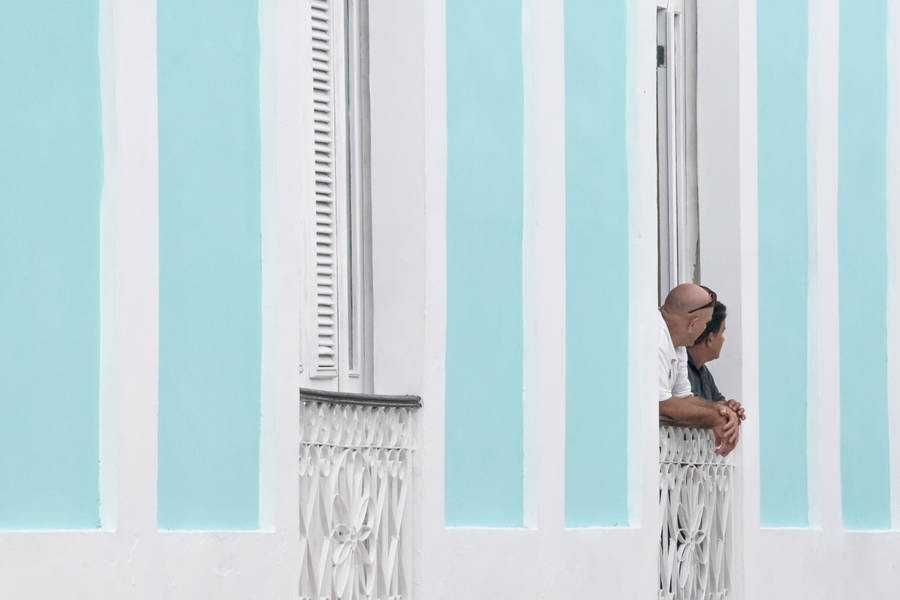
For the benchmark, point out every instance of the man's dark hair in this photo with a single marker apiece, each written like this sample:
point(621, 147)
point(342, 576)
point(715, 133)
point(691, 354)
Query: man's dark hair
point(714, 324)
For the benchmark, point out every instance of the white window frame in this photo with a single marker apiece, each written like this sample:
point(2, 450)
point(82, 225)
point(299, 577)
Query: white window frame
point(350, 277)
point(678, 202)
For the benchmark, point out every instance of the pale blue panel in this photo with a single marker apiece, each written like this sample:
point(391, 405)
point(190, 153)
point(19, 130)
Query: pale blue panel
point(209, 264)
point(51, 176)
point(484, 452)
point(596, 265)
point(783, 262)
point(862, 264)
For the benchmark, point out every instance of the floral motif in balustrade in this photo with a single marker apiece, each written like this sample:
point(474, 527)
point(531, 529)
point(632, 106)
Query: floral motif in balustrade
point(695, 511)
point(355, 480)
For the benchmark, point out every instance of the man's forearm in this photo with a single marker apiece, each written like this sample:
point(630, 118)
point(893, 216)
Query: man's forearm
point(691, 411)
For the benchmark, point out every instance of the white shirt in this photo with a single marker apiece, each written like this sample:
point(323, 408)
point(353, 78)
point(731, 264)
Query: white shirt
point(673, 376)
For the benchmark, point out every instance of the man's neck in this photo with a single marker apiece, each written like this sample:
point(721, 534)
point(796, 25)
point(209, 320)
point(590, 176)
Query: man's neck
point(670, 319)
point(697, 358)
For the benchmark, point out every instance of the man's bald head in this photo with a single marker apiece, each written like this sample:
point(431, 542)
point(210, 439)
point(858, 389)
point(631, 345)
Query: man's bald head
point(686, 311)
point(686, 297)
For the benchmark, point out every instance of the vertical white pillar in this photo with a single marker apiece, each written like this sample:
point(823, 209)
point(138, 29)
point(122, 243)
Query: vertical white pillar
point(893, 248)
point(746, 507)
point(643, 410)
point(108, 269)
point(544, 257)
point(823, 423)
point(135, 247)
point(428, 473)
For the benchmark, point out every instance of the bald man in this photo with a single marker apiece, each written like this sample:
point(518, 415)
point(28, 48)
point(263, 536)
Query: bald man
point(682, 318)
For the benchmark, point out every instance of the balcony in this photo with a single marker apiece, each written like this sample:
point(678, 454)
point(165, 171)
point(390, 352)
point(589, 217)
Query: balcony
point(695, 513)
point(355, 490)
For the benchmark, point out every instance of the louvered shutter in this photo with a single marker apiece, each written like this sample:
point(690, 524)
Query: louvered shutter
point(325, 226)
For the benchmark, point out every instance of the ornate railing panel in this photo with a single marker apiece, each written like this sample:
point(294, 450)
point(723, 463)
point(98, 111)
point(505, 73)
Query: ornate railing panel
point(695, 511)
point(355, 492)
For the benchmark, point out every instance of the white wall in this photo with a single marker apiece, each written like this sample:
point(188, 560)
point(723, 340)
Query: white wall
point(543, 559)
point(398, 193)
point(824, 561)
point(129, 558)
point(727, 200)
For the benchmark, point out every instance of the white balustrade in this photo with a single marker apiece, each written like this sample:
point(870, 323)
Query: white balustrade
point(695, 495)
point(355, 491)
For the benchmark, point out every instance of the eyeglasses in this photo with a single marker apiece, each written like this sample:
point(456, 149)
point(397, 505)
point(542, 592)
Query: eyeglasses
point(710, 304)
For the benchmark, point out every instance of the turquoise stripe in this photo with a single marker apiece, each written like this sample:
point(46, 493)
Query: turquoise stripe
point(485, 112)
point(862, 264)
point(51, 175)
point(209, 264)
point(596, 265)
point(783, 262)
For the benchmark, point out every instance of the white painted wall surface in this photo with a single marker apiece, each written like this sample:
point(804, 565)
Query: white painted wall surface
point(398, 193)
point(543, 559)
point(129, 558)
point(727, 233)
point(828, 562)
point(893, 248)
point(824, 561)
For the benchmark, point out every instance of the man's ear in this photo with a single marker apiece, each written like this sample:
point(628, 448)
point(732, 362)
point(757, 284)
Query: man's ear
point(693, 322)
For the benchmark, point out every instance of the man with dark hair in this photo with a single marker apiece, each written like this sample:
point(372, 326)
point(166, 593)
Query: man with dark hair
point(706, 348)
point(682, 319)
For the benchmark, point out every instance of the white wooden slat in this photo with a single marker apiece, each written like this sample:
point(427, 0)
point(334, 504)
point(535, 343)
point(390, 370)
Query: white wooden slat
point(325, 217)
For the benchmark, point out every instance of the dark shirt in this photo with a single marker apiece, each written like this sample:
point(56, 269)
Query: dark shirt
point(702, 382)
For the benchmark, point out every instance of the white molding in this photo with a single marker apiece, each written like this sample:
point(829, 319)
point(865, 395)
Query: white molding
point(282, 89)
point(747, 460)
point(746, 498)
point(643, 413)
point(108, 426)
point(428, 470)
point(892, 199)
point(137, 277)
point(544, 250)
point(823, 395)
